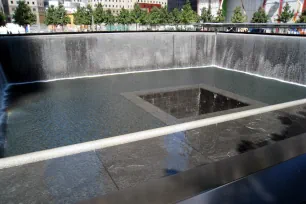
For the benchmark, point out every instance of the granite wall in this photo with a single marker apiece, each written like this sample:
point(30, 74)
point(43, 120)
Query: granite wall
point(280, 57)
point(30, 58)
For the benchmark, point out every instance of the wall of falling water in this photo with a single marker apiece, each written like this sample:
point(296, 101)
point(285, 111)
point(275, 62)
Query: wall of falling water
point(3, 85)
point(48, 57)
point(279, 57)
point(31, 58)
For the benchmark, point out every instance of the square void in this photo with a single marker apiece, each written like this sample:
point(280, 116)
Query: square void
point(191, 102)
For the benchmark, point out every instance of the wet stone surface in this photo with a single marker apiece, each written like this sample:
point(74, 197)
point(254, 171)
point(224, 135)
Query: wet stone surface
point(63, 180)
point(48, 115)
point(138, 162)
point(84, 176)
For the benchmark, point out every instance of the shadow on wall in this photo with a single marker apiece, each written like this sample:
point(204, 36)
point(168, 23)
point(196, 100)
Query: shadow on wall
point(295, 125)
point(21, 58)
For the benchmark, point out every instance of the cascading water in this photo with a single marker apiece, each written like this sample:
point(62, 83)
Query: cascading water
point(3, 86)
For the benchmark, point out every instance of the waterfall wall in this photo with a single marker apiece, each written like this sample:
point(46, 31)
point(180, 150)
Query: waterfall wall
point(44, 57)
point(3, 84)
point(280, 57)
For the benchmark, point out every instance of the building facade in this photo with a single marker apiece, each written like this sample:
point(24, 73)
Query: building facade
point(37, 7)
point(116, 5)
point(249, 7)
point(70, 5)
point(214, 4)
point(1, 6)
point(172, 4)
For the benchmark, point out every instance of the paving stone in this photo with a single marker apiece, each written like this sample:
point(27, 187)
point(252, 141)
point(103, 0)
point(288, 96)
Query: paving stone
point(141, 161)
point(63, 180)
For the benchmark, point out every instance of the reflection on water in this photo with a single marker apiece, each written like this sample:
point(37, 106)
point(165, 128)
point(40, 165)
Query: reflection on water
point(54, 114)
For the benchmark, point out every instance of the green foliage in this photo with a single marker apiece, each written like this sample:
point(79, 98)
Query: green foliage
point(260, 16)
point(137, 15)
point(79, 16)
point(2, 19)
point(188, 15)
point(124, 17)
point(165, 16)
point(155, 17)
point(176, 16)
point(50, 15)
point(238, 16)
point(220, 16)
point(286, 14)
point(109, 18)
point(56, 16)
point(302, 18)
point(61, 16)
point(99, 14)
point(206, 15)
point(23, 15)
point(88, 15)
point(83, 15)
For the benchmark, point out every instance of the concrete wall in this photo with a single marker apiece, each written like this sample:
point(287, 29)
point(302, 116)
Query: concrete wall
point(280, 57)
point(30, 58)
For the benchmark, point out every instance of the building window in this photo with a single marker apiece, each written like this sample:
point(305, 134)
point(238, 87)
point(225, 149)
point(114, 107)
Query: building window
point(12, 2)
point(33, 2)
point(34, 9)
point(28, 2)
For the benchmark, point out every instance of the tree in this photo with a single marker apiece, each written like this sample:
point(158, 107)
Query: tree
point(50, 16)
point(238, 16)
point(83, 16)
point(57, 16)
point(220, 16)
point(88, 15)
point(99, 14)
point(286, 14)
point(176, 15)
point(206, 15)
point(154, 17)
point(109, 18)
point(2, 19)
point(302, 18)
point(124, 17)
point(188, 15)
point(137, 15)
point(23, 15)
point(78, 16)
point(165, 15)
point(260, 16)
point(61, 17)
